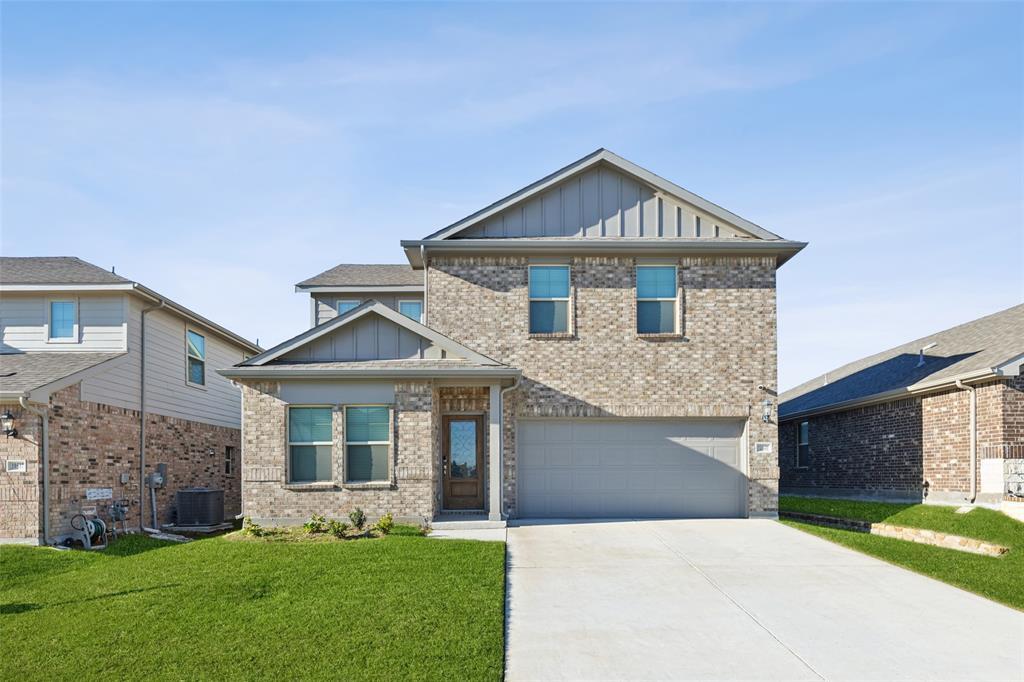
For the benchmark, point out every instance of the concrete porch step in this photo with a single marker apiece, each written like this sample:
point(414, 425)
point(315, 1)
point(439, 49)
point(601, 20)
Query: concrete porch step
point(464, 521)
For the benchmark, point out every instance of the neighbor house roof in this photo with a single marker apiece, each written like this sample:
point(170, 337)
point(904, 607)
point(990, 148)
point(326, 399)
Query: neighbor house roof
point(985, 348)
point(45, 372)
point(364, 275)
point(67, 273)
point(54, 270)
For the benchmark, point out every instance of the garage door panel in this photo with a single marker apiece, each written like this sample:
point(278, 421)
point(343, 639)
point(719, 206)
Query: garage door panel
point(630, 468)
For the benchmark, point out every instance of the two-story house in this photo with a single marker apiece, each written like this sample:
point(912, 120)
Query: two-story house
point(600, 343)
point(88, 357)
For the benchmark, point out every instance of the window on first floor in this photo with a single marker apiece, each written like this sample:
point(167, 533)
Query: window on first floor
point(229, 459)
point(657, 299)
point(411, 309)
point(310, 444)
point(367, 443)
point(549, 299)
point(195, 357)
point(803, 444)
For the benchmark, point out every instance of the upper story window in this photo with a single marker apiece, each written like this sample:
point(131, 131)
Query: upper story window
point(310, 444)
point(63, 321)
point(367, 443)
point(549, 299)
point(412, 309)
point(657, 299)
point(345, 306)
point(195, 357)
point(803, 445)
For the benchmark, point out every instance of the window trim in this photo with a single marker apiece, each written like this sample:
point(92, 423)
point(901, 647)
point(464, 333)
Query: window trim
point(389, 442)
point(229, 460)
point(289, 443)
point(75, 327)
point(801, 443)
point(339, 301)
point(675, 300)
point(418, 301)
point(569, 317)
point(188, 379)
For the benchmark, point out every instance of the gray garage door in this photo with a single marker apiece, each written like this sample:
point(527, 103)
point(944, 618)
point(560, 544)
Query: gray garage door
point(600, 468)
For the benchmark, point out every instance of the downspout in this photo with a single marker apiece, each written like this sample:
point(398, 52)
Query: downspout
point(44, 456)
point(501, 429)
point(423, 259)
point(142, 423)
point(973, 427)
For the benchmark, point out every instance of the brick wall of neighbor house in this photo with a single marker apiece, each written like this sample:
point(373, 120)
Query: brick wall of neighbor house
point(604, 369)
point(894, 447)
point(92, 444)
point(267, 497)
point(19, 492)
point(876, 448)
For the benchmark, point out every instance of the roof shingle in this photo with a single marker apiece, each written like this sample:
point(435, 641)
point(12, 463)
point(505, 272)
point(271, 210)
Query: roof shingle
point(21, 372)
point(54, 270)
point(368, 275)
point(967, 348)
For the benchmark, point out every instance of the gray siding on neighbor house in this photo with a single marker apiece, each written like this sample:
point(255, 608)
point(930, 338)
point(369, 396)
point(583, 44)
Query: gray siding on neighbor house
point(602, 203)
point(24, 320)
point(325, 305)
point(368, 338)
point(167, 392)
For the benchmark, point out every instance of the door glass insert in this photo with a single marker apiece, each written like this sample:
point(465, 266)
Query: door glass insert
point(462, 448)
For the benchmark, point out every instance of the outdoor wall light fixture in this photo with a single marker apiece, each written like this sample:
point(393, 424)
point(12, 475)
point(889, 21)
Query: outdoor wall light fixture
point(766, 416)
point(7, 423)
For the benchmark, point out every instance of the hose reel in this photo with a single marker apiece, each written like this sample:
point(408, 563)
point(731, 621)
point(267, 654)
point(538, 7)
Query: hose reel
point(89, 529)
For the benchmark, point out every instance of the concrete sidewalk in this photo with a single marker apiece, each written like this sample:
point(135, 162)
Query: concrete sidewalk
point(737, 600)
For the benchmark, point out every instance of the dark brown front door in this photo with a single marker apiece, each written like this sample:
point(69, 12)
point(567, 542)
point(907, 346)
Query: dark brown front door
point(463, 454)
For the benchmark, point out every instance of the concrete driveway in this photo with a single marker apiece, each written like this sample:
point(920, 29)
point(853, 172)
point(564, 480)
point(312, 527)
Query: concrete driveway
point(737, 600)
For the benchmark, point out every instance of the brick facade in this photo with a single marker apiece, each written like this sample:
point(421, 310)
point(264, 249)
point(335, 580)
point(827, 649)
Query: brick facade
point(20, 503)
point(912, 448)
point(268, 497)
point(92, 445)
point(727, 347)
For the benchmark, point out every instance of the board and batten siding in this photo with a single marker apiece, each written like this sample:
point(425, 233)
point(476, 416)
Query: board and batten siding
point(371, 337)
point(325, 306)
point(102, 322)
point(602, 203)
point(167, 391)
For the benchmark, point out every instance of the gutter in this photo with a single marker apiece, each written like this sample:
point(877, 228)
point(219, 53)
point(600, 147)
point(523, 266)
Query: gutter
point(44, 455)
point(142, 421)
point(973, 431)
point(427, 372)
point(194, 317)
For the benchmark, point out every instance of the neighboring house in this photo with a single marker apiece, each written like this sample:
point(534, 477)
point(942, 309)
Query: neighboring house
point(77, 384)
point(939, 419)
point(601, 343)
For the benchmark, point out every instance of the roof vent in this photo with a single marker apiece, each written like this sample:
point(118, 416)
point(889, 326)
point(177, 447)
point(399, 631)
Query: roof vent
point(920, 353)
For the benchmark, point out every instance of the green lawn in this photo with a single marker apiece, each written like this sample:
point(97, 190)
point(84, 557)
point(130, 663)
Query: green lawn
point(999, 579)
point(401, 607)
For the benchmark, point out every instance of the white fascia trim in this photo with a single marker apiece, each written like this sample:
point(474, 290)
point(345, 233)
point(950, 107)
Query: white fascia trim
point(196, 318)
point(365, 309)
point(628, 167)
point(398, 288)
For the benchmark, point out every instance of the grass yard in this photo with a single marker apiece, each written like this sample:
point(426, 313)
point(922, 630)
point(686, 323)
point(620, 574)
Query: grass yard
point(400, 607)
point(999, 579)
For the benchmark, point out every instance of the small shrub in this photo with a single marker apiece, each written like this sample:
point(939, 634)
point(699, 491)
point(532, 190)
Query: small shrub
point(385, 524)
point(424, 529)
point(253, 529)
point(357, 517)
point(337, 528)
point(316, 524)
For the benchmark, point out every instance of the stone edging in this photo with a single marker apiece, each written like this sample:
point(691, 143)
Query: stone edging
point(919, 535)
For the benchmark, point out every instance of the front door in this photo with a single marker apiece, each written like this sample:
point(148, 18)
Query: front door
point(463, 461)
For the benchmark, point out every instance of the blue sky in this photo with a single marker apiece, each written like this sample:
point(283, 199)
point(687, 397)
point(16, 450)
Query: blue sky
point(221, 152)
